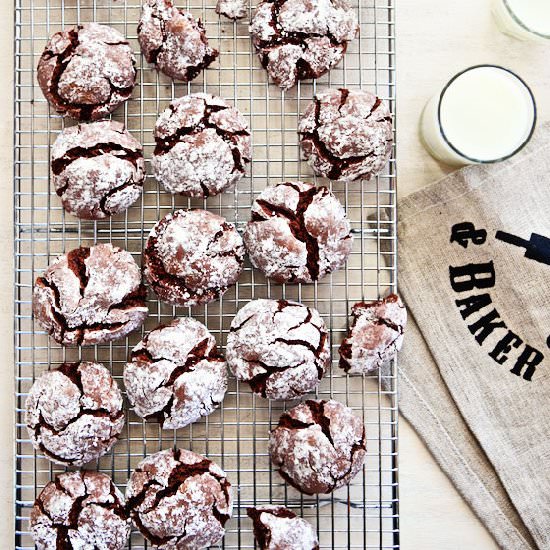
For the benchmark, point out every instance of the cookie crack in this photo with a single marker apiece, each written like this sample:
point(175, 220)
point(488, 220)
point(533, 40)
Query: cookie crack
point(319, 418)
point(241, 325)
point(296, 224)
point(61, 61)
point(195, 356)
point(80, 330)
point(59, 318)
point(70, 370)
point(338, 165)
point(192, 71)
point(165, 144)
point(160, 279)
point(114, 191)
point(63, 541)
point(390, 324)
point(179, 474)
point(258, 383)
point(152, 55)
point(281, 37)
point(76, 262)
point(115, 149)
point(134, 299)
point(317, 409)
point(85, 111)
point(355, 448)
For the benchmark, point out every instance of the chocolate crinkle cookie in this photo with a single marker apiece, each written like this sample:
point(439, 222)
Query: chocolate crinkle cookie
point(375, 336)
point(192, 257)
point(232, 9)
point(81, 510)
point(176, 374)
point(179, 500)
point(74, 413)
point(346, 134)
point(280, 348)
point(87, 71)
point(98, 169)
point(300, 39)
point(90, 296)
point(173, 40)
point(278, 528)
point(202, 146)
point(298, 233)
point(318, 446)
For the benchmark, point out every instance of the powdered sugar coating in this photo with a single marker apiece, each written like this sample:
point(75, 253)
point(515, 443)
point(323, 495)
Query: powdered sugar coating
point(173, 40)
point(300, 39)
point(232, 9)
point(298, 233)
point(98, 169)
point(179, 500)
point(80, 510)
point(90, 296)
point(346, 134)
point(192, 257)
point(318, 446)
point(74, 413)
point(375, 336)
point(278, 528)
point(87, 71)
point(280, 348)
point(202, 146)
point(176, 374)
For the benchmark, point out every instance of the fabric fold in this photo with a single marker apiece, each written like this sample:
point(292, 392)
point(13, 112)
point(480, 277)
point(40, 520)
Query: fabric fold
point(474, 268)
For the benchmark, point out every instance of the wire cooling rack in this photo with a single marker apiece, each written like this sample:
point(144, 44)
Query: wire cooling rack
point(363, 515)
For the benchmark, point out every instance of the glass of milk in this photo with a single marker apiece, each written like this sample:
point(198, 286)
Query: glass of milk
point(524, 19)
point(484, 114)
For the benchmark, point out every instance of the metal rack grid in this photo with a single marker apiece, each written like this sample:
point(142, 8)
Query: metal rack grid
point(363, 515)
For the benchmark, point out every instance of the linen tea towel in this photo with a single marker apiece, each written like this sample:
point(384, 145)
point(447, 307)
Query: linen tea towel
point(474, 253)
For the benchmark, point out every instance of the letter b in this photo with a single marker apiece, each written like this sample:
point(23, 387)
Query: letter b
point(467, 277)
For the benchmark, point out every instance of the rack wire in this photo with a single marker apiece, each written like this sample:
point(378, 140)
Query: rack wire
point(363, 515)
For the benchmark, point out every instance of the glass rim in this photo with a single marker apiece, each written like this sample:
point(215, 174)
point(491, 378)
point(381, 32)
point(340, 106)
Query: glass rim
point(517, 20)
point(454, 148)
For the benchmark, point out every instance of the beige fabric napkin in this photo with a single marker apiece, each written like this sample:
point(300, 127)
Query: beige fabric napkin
point(474, 253)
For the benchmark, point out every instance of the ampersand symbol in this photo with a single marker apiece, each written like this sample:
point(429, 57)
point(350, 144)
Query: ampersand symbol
point(463, 232)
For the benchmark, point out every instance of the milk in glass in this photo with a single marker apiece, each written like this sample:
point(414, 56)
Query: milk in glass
point(484, 114)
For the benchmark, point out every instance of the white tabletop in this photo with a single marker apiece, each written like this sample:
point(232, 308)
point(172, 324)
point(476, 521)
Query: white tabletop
point(436, 38)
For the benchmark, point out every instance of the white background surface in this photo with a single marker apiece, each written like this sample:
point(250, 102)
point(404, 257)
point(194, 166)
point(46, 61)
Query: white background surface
point(436, 38)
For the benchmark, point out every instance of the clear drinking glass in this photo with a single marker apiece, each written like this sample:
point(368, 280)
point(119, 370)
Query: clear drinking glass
point(523, 19)
point(484, 114)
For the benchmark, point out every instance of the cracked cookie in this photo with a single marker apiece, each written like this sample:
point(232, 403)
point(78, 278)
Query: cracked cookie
point(80, 509)
point(301, 39)
point(346, 135)
point(98, 169)
point(173, 40)
point(278, 528)
point(375, 336)
point(176, 374)
point(298, 233)
point(202, 146)
point(318, 446)
point(179, 499)
point(192, 257)
point(87, 71)
point(280, 348)
point(90, 296)
point(74, 413)
point(232, 9)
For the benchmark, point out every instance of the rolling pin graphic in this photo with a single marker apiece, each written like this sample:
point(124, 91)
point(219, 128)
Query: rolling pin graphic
point(536, 248)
